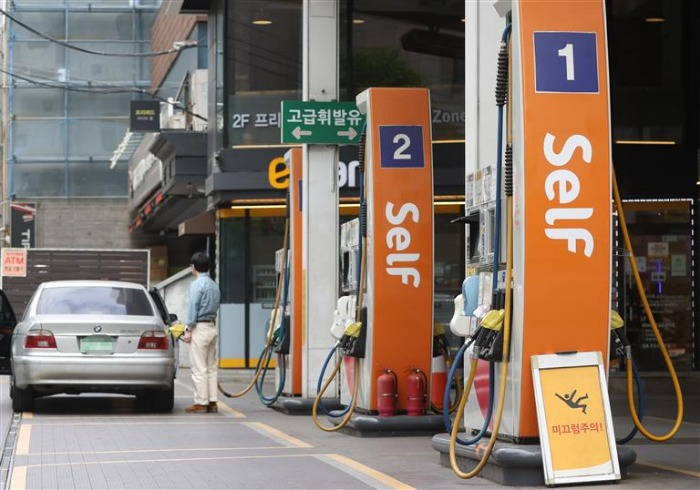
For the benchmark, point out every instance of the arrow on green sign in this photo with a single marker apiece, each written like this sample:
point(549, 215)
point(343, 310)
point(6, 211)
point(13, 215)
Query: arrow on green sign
point(350, 133)
point(298, 132)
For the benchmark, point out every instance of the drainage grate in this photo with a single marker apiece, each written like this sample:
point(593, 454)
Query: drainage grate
point(8, 451)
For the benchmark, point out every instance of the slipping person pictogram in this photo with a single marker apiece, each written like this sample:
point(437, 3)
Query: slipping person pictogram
point(569, 400)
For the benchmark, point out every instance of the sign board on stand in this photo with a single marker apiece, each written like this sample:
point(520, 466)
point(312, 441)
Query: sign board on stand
point(574, 418)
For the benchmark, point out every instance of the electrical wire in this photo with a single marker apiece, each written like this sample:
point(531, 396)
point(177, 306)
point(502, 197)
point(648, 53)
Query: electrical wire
point(99, 53)
point(104, 89)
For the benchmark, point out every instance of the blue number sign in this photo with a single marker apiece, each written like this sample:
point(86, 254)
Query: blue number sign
point(566, 62)
point(401, 146)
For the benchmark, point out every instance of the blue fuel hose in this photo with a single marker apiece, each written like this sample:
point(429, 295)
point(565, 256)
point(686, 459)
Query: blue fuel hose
point(334, 413)
point(640, 405)
point(282, 365)
point(446, 399)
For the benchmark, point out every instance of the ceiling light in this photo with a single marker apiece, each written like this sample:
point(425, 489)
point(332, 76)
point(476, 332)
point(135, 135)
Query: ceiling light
point(654, 20)
point(261, 18)
point(358, 21)
point(644, 142)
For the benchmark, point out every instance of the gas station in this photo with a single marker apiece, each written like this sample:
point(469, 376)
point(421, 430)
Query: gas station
point(535, 310)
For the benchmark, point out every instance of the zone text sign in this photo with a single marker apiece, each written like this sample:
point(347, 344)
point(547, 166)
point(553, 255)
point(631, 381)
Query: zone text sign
point(321, 123)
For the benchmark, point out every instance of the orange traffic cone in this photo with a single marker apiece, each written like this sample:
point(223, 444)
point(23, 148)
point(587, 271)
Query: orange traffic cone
point(438, 378)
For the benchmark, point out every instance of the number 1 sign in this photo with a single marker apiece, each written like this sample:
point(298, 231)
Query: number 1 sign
point(566, 62)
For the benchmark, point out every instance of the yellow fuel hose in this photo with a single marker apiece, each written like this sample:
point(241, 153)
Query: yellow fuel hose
point(358, 317)
point(504, 368)
point(657, 334)
point(346, 418)
point(270, 334)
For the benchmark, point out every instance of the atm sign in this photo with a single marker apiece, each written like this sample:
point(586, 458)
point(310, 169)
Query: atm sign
point(14, 262)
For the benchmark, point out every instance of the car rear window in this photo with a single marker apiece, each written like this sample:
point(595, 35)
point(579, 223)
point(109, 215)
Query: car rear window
point(75, 300)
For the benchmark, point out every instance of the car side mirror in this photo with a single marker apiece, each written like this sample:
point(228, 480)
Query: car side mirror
point(172, 317)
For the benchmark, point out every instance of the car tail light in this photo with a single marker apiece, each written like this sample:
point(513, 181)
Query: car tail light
point(40, 339)
point(153, 340)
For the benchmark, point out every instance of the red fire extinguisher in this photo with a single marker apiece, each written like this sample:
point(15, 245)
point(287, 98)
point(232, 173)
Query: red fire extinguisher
point(387, 393)
point(416, 392)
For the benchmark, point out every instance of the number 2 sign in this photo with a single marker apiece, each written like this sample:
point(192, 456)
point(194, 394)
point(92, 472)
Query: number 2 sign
point(401, 146)
point(566, 62)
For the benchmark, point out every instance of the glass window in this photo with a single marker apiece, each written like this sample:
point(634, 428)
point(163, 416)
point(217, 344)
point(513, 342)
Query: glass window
point(100, 25)
point(263, 68)
point(94, 301)
point(661, 238)
point(38, 102)
point(51, 24)
point(266, 237)
point(39, 179)
point(91, 67)
point(406, 45)
point(95, 138)
point(38, 59)
point(95, 179)
point(85, 104)
point(232, 260)
point(646, 70)
point(25, 143)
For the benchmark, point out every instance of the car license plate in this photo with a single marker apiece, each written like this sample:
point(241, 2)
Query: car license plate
point(97, 345)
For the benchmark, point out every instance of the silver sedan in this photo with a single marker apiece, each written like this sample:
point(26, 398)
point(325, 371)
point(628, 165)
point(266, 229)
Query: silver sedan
point(94, 337)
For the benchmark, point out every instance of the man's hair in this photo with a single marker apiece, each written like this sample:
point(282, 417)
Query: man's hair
point(200, 261)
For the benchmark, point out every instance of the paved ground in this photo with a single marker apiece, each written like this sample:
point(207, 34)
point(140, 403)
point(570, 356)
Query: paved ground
point(105, 442)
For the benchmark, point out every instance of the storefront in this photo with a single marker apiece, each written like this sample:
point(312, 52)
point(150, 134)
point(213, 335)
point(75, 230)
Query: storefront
point(253, 185)
point(255, 62)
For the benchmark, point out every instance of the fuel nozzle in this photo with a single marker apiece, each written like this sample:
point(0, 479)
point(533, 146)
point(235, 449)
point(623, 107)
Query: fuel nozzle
point(623, 348)
point(485, 342)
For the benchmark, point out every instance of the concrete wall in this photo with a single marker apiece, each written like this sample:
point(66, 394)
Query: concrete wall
point(83, 223)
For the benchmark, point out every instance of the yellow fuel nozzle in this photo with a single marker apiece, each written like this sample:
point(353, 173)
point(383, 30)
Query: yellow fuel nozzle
point(616, 324)
point(177, 329)
point(493, 320)
point(353, 330)
point(616, 320)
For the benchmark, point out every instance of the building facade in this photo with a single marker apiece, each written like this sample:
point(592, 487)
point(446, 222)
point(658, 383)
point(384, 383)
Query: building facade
point(70, 69)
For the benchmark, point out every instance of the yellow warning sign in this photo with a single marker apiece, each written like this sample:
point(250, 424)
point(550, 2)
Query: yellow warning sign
point(573, 415)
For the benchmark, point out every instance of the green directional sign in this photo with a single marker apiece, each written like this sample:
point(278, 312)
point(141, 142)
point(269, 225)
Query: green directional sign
point(321, 123)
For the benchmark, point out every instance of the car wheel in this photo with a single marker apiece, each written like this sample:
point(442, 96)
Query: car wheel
point(22, 400)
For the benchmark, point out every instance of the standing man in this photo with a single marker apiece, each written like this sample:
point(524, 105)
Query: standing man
point(202, 308)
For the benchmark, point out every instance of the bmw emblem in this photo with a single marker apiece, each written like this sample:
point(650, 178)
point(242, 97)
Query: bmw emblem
point(97, 329)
